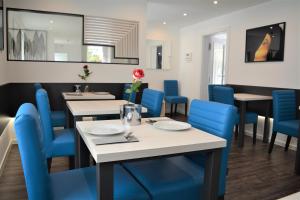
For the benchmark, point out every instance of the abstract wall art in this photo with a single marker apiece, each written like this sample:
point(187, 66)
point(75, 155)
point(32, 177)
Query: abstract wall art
point(27, 44)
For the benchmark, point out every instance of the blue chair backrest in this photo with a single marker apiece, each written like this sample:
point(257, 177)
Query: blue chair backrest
point(126, 95)
point(152, 100)
point(217, 119)
point(223, 94)
point(171, 87)
point(284, 105)
point(29, 133)
point(37, 86)
point(43, 105)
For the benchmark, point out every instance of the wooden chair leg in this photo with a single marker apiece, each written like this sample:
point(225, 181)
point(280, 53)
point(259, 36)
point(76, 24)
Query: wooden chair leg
point(254, 133)
point(171, 112)
point(186, 109)
point(272, 141)
point(287, 144)
point(71, 162)
point(175, 109)
point(236, 131)
point(49, 162)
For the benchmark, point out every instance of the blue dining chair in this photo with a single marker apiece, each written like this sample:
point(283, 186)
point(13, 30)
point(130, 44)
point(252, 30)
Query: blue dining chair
point(224, 94)
point(172, 96)
point(126, 95)
point(152, 100)
point(285, 117)
point(58, 118)
point(210, 91)
point(73, 184)
point(182, 177)
point(56, 143)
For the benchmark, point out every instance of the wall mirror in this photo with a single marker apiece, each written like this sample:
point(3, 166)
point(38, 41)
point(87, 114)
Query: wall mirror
point(59, 37)
point(1, 26)
point(158, 54)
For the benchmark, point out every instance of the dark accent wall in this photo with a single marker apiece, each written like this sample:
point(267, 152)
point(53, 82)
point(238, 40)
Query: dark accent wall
point(12, 95)
point(260, 107)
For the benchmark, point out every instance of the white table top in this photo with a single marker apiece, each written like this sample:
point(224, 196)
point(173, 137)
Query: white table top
point(87, 96)
point(152, 142)
point(251, 97)
point(90, 108)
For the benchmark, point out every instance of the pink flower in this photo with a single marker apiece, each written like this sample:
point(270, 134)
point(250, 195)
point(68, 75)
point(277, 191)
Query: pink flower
point(138, 74)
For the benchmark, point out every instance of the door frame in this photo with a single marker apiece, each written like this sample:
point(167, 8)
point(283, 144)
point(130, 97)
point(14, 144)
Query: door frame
point(204, 67)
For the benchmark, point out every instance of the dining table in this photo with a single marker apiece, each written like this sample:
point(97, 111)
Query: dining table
point(74, 96)
point(77, 110)
point(243, 99)
point(152, 143)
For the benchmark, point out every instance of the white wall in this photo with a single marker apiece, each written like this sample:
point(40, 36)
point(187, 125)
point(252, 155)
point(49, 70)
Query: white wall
point(2, 68)
point(67, 72)
point(280, 74)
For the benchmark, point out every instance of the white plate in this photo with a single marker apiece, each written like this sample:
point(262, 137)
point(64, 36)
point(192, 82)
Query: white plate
point(106, 129)
point(172, 125)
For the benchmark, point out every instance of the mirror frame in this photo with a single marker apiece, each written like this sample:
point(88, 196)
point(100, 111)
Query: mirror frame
point(82, 39)
point(2, 16)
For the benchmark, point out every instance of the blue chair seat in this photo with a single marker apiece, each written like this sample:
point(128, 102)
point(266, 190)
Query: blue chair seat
point(81, 184)
point(63, 144)
point(290, 127)
point(173, 178)
point(176, 99)
point(58, 118)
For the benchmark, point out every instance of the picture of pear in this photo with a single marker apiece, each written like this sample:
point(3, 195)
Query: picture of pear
point(263, 50)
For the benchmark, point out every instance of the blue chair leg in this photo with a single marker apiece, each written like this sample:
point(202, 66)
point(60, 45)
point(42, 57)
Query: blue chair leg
point(254, 133)
point(71, 162)
point(175, 109)
point(287, 144)
point(49, 163)
point(171, 112)
point(236, 131)
point(186, 109)
point(272, 141)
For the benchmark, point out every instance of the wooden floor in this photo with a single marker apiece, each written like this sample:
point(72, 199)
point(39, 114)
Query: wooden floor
point(253, 174)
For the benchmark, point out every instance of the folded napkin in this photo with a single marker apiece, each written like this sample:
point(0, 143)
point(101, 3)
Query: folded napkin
point(114, 139)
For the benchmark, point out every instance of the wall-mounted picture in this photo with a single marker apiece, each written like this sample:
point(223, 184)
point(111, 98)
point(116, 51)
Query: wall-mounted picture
point(265, 44)
point(27, 44)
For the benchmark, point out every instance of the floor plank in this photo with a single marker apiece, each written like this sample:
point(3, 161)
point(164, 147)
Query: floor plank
point(253, 173)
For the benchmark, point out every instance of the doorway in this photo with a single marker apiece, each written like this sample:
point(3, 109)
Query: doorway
point(214, 61)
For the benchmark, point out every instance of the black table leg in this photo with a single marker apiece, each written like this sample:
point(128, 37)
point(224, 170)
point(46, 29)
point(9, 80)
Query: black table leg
point(267, 123)
point(83, 154)
point(297, 162)
point(105, 181)
point(69, 118)
point(212, 175)
point(77, 142)
point(243, 105)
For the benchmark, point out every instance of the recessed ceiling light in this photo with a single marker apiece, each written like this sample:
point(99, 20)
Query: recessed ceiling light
point(164, 23)
point(51, 21)
point(215, 2)
point(185, 14)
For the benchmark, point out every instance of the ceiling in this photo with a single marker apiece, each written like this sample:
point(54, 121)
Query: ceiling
point(171, 11)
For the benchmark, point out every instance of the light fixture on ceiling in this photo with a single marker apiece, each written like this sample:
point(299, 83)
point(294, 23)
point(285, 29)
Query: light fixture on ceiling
point(51, 21)
point(164, 23)
point(215, 2)
point(185, 14)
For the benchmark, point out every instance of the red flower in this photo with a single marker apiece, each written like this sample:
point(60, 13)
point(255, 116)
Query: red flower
point(138, 74)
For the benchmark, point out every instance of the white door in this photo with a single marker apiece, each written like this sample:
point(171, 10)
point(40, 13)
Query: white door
point(214, 60)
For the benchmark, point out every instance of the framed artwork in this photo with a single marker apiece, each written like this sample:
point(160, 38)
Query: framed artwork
point(265, 44)
point(27, 44)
